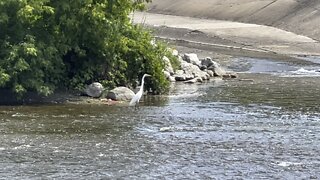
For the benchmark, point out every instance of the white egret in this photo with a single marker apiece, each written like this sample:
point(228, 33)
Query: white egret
point(136, 98)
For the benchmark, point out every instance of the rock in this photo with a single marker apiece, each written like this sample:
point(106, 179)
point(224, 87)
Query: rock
point(166, 74)
point(210, 73)
point(190, 71)
point(179, 76)
point(200, 79)
point(168, 66)
point(175, 52)
point(193, 71)
point(219, 71)
point(216, 68)
point(179, 72)
point(233, 75)
point(183, 77)
point(203, 68)
point(205, 76)
point(189, 67)
point(207, 62)
point(230, 75)
point(191, 81)
point(120, 94)
point(189, 76)
point(94, 90)
point(194, 80)
point(172, 79)
point(192, 58)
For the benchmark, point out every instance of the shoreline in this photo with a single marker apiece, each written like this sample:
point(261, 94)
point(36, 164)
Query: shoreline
point(226, 37)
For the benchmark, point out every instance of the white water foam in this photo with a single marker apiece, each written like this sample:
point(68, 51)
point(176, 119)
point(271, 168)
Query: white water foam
point(287, 164)
point(303, 73)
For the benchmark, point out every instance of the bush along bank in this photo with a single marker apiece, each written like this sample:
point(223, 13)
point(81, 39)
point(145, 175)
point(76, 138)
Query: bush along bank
point(55, 44)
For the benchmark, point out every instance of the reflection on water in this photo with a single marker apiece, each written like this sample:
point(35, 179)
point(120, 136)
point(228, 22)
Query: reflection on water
point(262, 126)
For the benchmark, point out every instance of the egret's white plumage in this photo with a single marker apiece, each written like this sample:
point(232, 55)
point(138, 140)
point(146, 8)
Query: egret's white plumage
point(136, 98)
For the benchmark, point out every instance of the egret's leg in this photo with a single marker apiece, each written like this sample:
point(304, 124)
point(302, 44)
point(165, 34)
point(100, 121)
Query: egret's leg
point(137, 105)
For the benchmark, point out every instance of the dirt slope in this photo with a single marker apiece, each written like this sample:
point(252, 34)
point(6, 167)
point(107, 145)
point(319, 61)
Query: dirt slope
point(299, 16)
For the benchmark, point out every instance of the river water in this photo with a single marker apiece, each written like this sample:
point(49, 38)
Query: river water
point(263, 125)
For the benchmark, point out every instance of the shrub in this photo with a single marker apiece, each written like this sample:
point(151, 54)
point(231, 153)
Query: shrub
point(50, 44)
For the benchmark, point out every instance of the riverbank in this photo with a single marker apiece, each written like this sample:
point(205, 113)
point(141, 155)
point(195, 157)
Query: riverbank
point(231, 38)
point(298, 16)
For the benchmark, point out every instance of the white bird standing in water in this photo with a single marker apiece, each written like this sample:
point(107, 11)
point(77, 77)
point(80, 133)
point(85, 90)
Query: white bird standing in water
point(136, 98)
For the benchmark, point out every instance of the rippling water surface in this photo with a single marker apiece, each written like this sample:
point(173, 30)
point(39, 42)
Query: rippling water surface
point(264, 125)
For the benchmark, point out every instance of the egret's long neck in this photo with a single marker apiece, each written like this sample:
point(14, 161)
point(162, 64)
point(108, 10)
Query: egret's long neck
point(142, 83)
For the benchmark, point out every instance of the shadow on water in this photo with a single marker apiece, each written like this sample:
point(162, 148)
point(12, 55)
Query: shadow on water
point(262, 125)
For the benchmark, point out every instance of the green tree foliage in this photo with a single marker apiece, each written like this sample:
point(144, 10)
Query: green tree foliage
point(49, 44)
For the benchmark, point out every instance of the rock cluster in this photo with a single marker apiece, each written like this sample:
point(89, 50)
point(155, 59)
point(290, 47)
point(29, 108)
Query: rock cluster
point(192, 69)
point(117, 94)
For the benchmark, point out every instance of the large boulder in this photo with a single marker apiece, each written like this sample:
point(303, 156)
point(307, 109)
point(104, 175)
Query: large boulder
point(192, 58)
point(94, 90)
point(120, 94)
